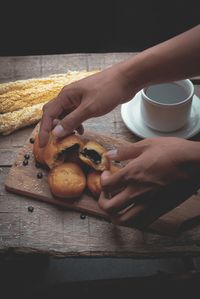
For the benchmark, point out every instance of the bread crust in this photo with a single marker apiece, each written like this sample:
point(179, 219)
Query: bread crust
point(38, 152)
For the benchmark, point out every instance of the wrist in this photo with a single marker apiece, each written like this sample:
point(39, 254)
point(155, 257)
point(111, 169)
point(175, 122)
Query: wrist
point(192, 159)
point(194, 153)
point(136, 73)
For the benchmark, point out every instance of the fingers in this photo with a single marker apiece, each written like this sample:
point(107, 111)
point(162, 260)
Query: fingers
point(70, 123)
point(65, 105)
point(132, 211)
point(50, 111)
point(45, 129)
point(80, 129)
point(117, 203)
point(112, 182)
point(124, 198)
point(128, 210)
point(132, 217)
point(55, 122)
point(125, 153)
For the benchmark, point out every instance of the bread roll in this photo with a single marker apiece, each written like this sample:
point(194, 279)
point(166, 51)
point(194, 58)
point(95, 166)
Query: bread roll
point(67, 180)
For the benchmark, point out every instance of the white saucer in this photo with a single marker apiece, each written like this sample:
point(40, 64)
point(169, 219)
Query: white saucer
point(132, 118)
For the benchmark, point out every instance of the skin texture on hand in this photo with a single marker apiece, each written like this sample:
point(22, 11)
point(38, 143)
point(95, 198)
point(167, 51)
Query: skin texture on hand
point(98, 94)
point(90, 97)
point(161, 173)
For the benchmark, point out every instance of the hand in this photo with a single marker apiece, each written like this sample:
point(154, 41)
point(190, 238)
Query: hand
point(89, 97)
point(162, 173)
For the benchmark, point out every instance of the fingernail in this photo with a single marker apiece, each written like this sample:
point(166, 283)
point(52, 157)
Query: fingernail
point(58, 131)
point(112, 154)
point(105, 175)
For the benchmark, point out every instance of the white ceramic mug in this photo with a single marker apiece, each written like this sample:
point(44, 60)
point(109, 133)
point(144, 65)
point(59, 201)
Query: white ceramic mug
point(166, 107)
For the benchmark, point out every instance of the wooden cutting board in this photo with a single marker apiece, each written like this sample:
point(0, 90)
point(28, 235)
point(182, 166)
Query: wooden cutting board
point(23, 180)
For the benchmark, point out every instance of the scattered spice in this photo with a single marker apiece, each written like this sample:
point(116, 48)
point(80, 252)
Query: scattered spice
point(32, 140)
point(82, 216)
point(30, 209)
point(25, 162)
point(37, 165)
point(26, 156)
point(39, 175)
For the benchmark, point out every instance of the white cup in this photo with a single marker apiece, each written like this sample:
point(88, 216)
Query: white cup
point(166, 107)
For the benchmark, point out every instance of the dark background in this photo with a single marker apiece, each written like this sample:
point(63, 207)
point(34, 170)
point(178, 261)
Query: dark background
point(31, 28)
point(53, 27)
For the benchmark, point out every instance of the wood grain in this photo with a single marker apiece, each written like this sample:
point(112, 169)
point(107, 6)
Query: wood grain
point(23, 180)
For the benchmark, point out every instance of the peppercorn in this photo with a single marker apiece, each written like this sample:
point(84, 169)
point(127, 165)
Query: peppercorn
point(39, 175)
point(30, 209)
point(32, 140)
point(82, 216)
point(37, 165)
point(25, 162)
point(27, 156)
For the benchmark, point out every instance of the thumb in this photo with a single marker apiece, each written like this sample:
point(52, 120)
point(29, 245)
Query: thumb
point(105, 175)
point(124, 153)
point(70, 123)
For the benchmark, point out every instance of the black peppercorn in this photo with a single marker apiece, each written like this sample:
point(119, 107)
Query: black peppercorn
point(39, 175)
point(25, 162)
point(31, 209)
point(83, 216)
point(27, 156)
point(37, 165)
point(32, 140)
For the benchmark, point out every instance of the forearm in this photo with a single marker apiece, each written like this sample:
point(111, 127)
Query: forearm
point(175, 59)
point(193, 152)
point(189, 156)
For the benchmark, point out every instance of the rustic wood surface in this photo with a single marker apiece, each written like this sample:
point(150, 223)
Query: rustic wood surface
point(23, 180)
point(52, 230)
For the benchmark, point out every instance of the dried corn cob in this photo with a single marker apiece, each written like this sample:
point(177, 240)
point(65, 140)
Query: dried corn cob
point(24, 93)
point(21, 101)
point(12, 121)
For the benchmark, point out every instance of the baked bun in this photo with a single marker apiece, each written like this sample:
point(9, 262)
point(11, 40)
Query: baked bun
point(38, 151)
point(67, 180)
point(58, 151)
point(93, 155)
point(94, 180)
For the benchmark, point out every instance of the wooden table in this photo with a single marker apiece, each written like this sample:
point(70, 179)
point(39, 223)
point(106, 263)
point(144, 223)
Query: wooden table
point(51, 230)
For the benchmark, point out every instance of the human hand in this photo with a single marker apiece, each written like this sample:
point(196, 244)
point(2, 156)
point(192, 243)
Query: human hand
point(90, 97)
point(162, 173)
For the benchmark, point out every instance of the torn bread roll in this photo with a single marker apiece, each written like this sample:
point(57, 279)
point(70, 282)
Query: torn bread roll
point(58, 151)
point(93, 155)
point(67, 180)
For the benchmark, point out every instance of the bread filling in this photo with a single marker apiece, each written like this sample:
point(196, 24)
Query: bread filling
point(65, 153)
point(92, 155)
